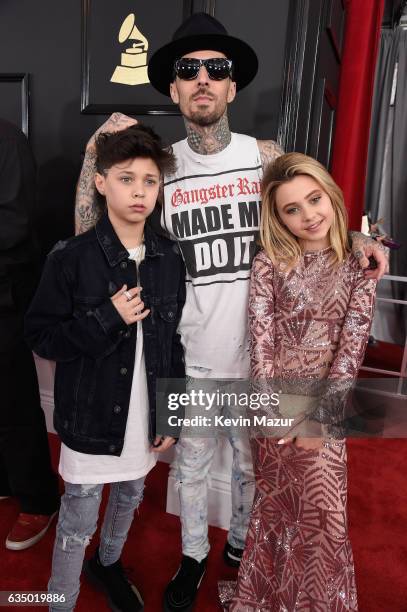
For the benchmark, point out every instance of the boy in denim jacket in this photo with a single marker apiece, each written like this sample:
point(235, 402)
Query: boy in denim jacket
point(107, 310)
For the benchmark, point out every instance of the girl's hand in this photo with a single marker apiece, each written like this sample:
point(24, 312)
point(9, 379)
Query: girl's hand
point(129, 304)
point(305, 443)
point(162, 443)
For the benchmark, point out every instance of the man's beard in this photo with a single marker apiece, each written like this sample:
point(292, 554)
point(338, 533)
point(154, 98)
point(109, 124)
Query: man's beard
point(204, 120)
point(201, 117)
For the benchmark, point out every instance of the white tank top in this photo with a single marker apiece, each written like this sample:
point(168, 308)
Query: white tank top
point(212, 208)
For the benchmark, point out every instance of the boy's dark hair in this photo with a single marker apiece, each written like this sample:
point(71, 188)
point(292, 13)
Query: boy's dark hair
point(135, 141)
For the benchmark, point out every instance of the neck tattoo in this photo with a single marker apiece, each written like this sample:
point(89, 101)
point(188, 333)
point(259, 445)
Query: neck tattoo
point(208, 139)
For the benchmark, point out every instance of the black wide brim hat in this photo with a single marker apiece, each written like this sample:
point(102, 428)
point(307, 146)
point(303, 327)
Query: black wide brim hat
point(202, 32)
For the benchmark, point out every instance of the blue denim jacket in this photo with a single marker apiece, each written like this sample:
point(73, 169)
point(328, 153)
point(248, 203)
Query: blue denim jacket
point(72, 321)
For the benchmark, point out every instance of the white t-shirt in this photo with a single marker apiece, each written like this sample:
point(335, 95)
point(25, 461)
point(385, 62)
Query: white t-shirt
point(136, 459)
point(212, 208)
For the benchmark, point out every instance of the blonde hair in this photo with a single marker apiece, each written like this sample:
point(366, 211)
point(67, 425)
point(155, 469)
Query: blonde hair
point(278, 242)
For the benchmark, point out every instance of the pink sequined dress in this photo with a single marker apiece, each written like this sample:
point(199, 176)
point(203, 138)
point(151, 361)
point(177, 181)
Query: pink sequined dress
point(312, 322)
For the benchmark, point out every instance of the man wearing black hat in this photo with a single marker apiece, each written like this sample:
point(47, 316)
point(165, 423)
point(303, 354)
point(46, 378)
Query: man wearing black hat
point(211, 207)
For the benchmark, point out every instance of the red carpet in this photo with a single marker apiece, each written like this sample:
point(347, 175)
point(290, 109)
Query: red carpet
point(383, 355)
point(377, 515)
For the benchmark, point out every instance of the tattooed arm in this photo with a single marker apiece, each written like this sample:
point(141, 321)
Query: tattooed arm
point(86, 213)
point(269, 151)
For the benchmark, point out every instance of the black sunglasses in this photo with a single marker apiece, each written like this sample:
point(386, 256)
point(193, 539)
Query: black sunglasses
point(218, 68)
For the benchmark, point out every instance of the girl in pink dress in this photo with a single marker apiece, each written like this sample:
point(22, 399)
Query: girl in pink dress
point(310, 313)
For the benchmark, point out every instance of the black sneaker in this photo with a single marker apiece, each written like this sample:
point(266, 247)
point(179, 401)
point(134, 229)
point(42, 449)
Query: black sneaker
point(111, 579)
point(180, 594)
point(232, 556)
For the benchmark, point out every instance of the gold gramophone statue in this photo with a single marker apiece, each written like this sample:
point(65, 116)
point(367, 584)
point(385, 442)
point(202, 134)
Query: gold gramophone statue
point(133, 66)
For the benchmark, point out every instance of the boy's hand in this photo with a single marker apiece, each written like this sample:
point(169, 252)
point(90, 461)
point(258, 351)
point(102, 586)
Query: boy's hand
point(129, 304)
point(162, 443)
point(115, 123)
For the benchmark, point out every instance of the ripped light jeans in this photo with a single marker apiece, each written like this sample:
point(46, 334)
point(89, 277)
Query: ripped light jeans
point(77, 523)
point(194, 455)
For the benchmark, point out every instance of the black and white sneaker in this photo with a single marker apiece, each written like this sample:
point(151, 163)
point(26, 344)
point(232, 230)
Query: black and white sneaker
point(181, 592)
point(123, 596)
point(232, 556)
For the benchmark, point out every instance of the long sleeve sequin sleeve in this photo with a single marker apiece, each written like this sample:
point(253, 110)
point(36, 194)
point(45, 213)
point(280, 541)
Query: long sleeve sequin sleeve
point(355, 330)
point(261, 319)
point(349, 355)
